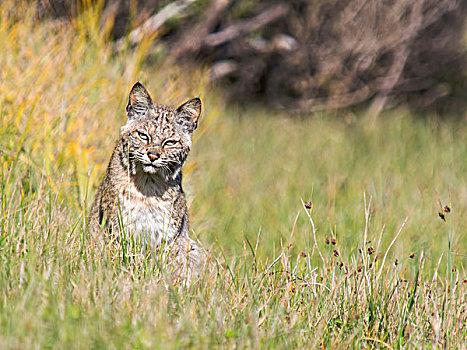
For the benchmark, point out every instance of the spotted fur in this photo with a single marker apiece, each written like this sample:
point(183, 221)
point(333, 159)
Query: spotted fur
point(142, 188)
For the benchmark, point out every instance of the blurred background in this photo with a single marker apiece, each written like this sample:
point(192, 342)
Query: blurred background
point(306, 55)
point(315, 100)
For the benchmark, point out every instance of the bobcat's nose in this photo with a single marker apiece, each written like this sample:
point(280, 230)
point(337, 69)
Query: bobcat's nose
point(153, 156)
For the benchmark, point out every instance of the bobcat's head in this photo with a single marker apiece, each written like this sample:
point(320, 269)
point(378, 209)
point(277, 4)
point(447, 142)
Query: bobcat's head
point(157, 139)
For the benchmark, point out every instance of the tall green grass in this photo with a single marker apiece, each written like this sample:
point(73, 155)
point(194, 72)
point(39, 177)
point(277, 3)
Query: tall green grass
point(258, 166)
point(350, 272)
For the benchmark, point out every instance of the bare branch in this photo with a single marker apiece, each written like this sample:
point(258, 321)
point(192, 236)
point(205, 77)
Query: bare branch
point(399, 62)
point(155, 22)
point(192, 38)
point(247, 26)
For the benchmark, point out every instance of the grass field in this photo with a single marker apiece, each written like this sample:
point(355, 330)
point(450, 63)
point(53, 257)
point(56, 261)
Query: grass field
point(380, 269)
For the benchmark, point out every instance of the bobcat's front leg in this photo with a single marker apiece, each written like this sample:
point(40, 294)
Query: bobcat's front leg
point(186, 257)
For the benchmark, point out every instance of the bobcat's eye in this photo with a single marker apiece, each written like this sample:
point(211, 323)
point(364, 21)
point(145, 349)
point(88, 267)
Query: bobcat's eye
point(170, 143)
point(143, 136)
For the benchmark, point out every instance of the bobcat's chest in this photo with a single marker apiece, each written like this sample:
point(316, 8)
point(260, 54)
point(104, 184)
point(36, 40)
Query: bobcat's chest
point(147, 216)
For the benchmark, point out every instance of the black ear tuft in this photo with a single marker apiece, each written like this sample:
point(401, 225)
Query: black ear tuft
point(139, 102)
point(187, 114)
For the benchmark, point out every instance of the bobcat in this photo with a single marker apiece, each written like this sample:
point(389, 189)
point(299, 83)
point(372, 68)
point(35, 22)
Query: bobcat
point(142, 188)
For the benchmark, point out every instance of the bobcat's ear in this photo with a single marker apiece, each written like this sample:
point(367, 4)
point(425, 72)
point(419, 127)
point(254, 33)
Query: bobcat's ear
point(188, 113)
point(139, 102)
